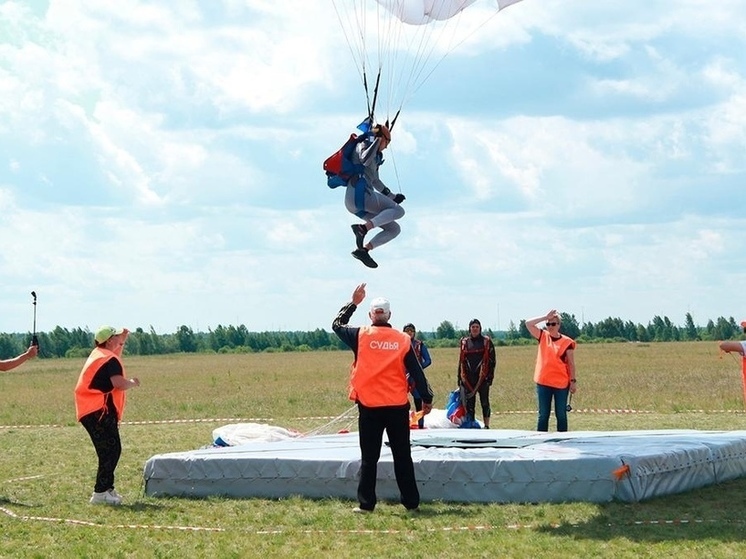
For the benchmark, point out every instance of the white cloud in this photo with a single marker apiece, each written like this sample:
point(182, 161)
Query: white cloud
point(164, 164)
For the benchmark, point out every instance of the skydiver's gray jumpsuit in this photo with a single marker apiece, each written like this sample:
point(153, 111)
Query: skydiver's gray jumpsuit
point(370, 199)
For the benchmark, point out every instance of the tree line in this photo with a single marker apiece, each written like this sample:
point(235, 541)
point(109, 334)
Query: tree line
point(62, 342)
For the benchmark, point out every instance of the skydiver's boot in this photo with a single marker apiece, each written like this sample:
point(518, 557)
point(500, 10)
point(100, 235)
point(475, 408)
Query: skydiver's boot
point(362, 255)
point(359, 230)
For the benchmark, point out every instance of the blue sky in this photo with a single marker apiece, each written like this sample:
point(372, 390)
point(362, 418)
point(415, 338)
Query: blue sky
point(161, 165)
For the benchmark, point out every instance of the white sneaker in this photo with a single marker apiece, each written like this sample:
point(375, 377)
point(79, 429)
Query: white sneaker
point(109, 497)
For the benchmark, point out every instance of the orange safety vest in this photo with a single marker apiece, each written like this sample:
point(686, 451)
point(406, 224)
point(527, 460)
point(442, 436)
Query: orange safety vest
point(550, 368)
point(89, 400)
point(743, 371)
point(378, 377)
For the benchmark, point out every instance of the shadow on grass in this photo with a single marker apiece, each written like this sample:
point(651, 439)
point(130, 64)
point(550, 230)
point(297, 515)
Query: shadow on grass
point(10, 501)
point(714, 512)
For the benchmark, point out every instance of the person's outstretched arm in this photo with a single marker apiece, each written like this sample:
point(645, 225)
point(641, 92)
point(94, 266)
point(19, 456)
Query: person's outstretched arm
point(8, 364)
point(729, 346)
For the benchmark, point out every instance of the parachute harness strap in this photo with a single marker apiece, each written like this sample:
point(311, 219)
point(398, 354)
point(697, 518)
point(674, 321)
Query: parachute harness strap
point(484, 366)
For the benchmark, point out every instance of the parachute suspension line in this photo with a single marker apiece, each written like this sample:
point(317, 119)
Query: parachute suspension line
point(396, 59)
point(423, 67)
point(453, 47)
point(384, 47)
point(342, 422)
point(393, 122)
point(362, 18)
point(372, 109)
point(353, 21)
point(396, 169)
point(416, 43)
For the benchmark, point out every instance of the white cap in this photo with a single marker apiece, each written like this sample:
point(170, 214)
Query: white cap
point(380, 305)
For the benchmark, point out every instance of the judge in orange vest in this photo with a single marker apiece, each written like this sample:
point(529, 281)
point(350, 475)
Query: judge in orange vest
point(99, 405)
point(554, 373)
point(379, 386)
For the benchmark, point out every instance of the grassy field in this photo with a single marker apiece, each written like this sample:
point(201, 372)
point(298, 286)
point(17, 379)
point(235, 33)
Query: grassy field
point(47, 463)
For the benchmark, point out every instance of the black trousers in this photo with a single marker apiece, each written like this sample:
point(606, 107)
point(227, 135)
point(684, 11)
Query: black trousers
point(104, 433)
point(484, 401)
point(372, 422)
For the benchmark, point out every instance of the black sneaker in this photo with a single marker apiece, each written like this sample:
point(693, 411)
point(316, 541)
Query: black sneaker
point(362, 255)
point(359, 231)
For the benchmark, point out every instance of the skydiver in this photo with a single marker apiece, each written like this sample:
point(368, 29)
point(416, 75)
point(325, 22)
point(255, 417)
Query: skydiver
point(370, 199)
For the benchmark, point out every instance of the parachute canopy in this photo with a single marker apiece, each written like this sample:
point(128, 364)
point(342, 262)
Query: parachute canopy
point(420, 12)
point(397, 44)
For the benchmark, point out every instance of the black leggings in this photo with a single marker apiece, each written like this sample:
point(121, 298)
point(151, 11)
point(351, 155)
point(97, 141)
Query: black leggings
point(484, 401)
point(104, 433)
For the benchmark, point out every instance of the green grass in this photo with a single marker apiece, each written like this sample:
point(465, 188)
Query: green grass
point(47, 463)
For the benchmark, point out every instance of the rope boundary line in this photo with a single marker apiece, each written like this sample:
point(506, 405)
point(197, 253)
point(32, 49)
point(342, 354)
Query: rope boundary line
point(279, 531)
point(601, 411)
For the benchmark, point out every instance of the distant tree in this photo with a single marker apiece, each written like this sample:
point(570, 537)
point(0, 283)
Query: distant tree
point(724, 329)
point(630, 331)
point(642, 334)
point(660, 333)
point(610, 328)
point(690, 330)
point(588, 330)
point(186, 341)
point(523, 330)
point(569, 325)
point(512, 333)
point(445, 330)
point(8, 347)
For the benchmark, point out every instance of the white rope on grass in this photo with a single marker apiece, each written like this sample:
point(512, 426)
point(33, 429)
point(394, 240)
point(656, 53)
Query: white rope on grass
point(19, 479)
point(600, 411)
point(281, 531)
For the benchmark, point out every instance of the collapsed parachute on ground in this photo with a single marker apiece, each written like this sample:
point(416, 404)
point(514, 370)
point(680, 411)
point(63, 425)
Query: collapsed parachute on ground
point(397, 44)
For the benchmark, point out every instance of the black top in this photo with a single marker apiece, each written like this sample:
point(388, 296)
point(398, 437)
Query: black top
point(102, 381)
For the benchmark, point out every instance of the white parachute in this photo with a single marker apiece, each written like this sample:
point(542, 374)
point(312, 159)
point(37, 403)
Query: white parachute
point(397, 44)
point(419, 12)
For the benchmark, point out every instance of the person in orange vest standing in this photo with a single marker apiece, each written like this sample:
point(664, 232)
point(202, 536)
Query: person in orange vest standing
point(554, 373)
point(99, 405)
point(379, 386)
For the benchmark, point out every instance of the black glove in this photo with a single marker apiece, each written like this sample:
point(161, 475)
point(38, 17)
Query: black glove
point(399, 198)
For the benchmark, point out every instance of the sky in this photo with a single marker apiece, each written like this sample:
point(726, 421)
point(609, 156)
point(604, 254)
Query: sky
point(160, 164)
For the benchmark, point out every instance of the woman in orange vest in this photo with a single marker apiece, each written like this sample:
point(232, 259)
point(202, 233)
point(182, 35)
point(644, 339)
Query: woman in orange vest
point(99, 405)
point(554, 373)
point(378, 384)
